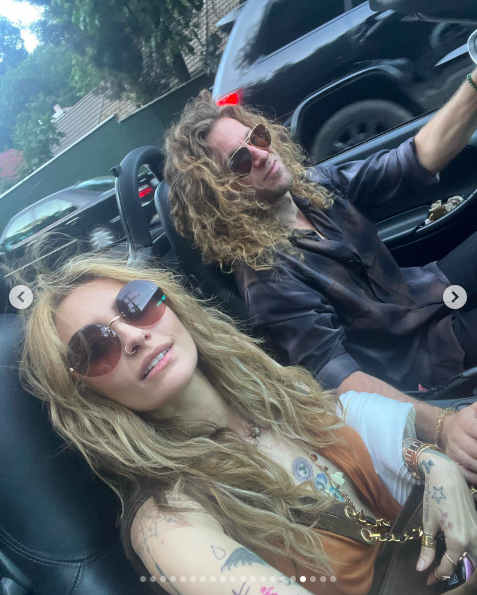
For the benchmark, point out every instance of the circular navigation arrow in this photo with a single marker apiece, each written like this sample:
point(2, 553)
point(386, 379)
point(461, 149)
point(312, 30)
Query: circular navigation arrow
point(455, 297)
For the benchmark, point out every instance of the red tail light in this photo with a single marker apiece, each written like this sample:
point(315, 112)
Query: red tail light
point(231, 99)
point(144, 191)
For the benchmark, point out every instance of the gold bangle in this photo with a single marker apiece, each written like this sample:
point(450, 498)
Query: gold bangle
point(411, 456)
point(440, 423)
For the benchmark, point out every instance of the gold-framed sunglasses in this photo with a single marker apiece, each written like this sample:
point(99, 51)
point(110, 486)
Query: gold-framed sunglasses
point(241, 160)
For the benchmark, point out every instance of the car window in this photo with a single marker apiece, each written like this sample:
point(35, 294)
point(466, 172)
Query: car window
point(100, 184)
point(288, 20)
point(20, 229)
point(50, 212)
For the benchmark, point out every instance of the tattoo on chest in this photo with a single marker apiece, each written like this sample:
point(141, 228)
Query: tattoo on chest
point(303, 471)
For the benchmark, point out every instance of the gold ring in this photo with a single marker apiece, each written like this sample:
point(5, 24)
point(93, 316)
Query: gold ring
point(440, 578)
point(448, 557)
point(427, 540)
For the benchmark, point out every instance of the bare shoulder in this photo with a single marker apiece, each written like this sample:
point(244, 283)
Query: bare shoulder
point(151, 523)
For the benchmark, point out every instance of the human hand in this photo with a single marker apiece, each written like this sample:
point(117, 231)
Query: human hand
point(448, 506)
point(459, 439)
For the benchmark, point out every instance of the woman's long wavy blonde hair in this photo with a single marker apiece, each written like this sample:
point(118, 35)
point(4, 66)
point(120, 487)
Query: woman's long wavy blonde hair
point(139, 456)
point(210, 206)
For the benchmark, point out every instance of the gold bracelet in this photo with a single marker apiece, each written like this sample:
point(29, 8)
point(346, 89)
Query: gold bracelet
point(411, 455)
point(440, 423)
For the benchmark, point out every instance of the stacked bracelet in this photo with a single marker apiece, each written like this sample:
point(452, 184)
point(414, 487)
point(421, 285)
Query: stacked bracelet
point(412, 450)
point(440, 422)
point(471, 82)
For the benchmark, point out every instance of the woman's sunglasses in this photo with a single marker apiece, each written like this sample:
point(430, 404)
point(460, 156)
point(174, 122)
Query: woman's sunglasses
point(241, 160)
point(96, 349)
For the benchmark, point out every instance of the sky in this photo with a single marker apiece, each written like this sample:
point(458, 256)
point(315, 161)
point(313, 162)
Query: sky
point(22, 14)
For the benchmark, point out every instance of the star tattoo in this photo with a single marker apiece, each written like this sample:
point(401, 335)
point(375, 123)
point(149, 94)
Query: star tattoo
point(438, 494)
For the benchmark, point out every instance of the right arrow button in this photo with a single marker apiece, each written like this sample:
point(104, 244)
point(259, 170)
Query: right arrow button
point(455, 297)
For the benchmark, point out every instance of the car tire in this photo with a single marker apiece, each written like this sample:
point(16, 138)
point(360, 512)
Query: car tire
point(354, 124)
point(102, 236)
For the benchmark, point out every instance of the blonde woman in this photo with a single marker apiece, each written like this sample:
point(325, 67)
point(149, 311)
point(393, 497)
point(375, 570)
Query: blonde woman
point(226, 464)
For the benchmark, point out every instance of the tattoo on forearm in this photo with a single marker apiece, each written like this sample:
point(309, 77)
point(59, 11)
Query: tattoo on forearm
point(438, 494)
point(241, 592)
point(167, 580)
point(151, 522)
point(242, 556)
point(218, 552)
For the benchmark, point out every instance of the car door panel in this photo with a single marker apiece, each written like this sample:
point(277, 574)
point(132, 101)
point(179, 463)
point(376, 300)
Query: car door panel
point(401, 222)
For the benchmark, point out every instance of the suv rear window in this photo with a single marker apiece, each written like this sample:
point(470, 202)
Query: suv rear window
point(288, 20)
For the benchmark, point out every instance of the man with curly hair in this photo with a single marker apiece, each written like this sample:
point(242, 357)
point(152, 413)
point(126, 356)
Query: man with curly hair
point(317, 281)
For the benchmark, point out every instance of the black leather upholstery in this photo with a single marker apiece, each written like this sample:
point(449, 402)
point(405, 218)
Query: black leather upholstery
point(208, 279)
point(57, 520)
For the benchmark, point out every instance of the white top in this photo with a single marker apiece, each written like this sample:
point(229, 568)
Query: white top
point(383, 424)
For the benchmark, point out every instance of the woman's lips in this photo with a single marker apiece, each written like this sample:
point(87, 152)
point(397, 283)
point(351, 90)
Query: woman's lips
point(161, 365)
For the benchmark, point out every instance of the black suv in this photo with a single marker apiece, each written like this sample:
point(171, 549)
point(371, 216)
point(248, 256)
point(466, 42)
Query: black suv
point(336, 72)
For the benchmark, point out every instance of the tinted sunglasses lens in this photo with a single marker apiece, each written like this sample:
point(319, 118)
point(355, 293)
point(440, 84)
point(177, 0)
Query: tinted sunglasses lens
point(260, 137)
point(241, 162)
point(141, 303)
point(94, 350)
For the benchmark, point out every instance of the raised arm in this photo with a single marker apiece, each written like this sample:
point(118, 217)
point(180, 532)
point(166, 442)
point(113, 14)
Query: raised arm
point(444, 137)
point(193, 544)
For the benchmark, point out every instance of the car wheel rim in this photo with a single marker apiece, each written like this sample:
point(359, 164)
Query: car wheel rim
point(101, 238)
point(357, 132)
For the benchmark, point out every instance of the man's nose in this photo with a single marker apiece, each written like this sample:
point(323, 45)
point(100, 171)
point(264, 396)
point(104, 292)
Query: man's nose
point(259, 156)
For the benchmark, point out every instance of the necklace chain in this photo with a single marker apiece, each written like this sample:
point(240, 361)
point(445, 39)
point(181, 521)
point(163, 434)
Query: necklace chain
point(373, 529)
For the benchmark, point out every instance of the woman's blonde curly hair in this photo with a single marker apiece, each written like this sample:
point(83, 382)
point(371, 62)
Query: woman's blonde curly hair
point(140, 457)
point(210, 206)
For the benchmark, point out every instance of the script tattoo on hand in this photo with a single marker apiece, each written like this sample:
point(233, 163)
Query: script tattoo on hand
point(426, 500)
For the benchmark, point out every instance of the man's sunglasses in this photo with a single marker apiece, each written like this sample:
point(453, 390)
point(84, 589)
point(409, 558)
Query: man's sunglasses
point(96, 349)
point(241, 160)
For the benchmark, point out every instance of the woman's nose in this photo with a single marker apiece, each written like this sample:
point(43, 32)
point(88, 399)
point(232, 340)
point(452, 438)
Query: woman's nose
point(132, 338)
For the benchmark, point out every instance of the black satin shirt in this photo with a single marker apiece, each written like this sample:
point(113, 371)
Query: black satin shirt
point(348, 306)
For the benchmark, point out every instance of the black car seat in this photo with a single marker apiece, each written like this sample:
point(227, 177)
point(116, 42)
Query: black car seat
point(208, 280)
point(58, 532)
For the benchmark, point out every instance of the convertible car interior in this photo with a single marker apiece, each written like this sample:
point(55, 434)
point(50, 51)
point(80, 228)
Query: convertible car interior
point(58, 533)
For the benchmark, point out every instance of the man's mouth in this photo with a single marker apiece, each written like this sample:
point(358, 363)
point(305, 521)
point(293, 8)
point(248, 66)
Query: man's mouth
point(273, 170)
